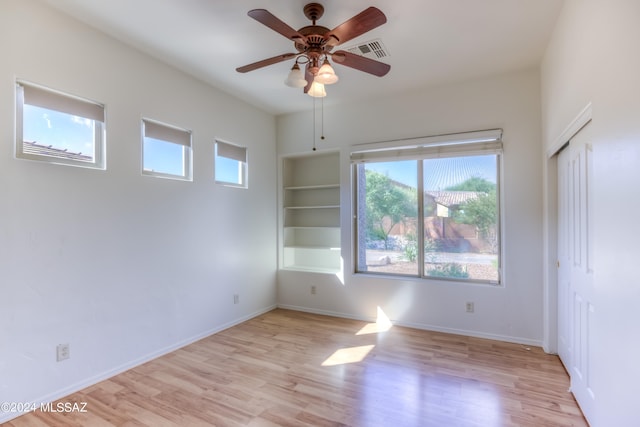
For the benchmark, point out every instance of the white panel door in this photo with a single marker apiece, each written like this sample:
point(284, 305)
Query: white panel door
point(564, 259)
point(576, 311)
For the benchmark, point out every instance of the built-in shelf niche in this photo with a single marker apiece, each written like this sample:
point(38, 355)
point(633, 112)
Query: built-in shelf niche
point(311, 213)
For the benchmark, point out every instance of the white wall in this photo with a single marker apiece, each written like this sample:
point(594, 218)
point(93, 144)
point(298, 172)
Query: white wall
point(120, 266)
point(511, 312)
point(593, 57)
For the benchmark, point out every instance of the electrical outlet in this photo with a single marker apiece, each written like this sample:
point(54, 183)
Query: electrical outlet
point(236, 299)
point(469, 307)
point(62, 352)
point(313, 289)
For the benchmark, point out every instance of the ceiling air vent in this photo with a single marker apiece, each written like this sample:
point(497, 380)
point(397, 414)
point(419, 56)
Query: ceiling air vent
point(373, 49)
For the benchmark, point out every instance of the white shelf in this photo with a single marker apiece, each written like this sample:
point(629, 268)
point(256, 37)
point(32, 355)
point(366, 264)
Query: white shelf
point(312, 237)
point(324, 248)
point(312, 187)
point(307, 259)
point(312, 269)
point(320, 217)
point(314, 207)
point(312, 197)
point(312, 227)
point(311, 213)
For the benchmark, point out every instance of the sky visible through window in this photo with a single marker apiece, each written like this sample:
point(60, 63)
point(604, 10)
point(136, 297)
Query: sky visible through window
point(228, 170)
point(60, 130)
point(163, 156)
point(76, 135)
point(439, 174)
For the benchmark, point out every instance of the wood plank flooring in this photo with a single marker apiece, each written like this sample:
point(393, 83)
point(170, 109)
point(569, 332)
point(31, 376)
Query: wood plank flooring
point(288, 368)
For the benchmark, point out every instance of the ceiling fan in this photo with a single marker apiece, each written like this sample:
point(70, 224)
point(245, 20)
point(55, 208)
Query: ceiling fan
point(314, 45)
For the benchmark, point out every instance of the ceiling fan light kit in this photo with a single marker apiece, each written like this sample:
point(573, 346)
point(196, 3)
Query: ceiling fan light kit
point(314, 45)
point(326, 75)
point(317, 90)
point(295, 77)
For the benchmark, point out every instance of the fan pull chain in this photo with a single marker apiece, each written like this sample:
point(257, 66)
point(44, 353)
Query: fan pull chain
point(314, 124)
point(322, 118)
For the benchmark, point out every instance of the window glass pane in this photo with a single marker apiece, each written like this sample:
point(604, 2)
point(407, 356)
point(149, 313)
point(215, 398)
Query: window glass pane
point(164, 157)
point(166, 151)
point(55, 134)
point(461, 217)
point(228, 170)
point(387, 217)
point(230, 164)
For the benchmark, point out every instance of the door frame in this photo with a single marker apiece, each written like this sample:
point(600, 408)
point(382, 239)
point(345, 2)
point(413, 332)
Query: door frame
point(550, 230)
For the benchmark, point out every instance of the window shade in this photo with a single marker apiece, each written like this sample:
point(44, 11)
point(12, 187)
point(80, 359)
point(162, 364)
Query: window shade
point(231, 151)
point(461, 144)
point(66, 104)
point(166, 133)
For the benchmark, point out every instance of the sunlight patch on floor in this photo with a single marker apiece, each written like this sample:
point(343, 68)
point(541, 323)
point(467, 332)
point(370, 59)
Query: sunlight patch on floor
point(382, 324)
point(348, 355)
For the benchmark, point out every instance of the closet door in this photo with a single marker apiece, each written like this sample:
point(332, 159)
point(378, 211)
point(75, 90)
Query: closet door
point(576, 309)
point(564, 259)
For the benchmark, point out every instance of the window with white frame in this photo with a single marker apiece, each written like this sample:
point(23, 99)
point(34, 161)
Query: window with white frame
point(430, 207)
point(230, 164)
point(166, 151)
point(58, 128)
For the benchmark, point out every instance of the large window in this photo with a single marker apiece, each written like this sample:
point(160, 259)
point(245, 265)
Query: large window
point(430, 209)
point(230, 164)
point(166, 151)
point(58, 128)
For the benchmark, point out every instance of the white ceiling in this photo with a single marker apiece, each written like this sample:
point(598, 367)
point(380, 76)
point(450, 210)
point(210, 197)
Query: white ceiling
point(430, 42)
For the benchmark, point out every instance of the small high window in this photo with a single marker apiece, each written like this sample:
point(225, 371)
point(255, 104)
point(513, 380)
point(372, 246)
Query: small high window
point(166, 151)
point(58, 128)
point(230, 164)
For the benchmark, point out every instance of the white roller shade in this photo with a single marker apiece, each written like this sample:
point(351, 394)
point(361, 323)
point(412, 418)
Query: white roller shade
point(231, 151)
point(461, 144)
point(166, 133)
point(64, 103)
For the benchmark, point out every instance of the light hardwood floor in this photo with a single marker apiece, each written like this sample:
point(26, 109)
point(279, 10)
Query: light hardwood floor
point(288, 368)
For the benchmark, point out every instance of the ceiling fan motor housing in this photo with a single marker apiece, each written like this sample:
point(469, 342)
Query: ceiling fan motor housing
point(313, 11)
point(316, 43)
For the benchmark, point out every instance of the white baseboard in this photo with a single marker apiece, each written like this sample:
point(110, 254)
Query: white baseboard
point(423, 326)
point(61, 393)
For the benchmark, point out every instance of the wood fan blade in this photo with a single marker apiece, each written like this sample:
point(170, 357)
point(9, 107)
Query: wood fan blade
point(365, 21)
point(361, 63)
point(267, 18)
point(265, 62)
